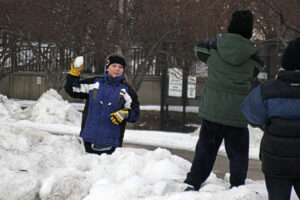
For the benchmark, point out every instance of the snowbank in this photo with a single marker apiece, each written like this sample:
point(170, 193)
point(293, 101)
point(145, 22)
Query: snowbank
point(56, 167)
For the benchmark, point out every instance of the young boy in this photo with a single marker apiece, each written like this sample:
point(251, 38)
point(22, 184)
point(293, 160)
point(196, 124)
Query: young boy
point(231, 60)
point(110, 103)
point(276, 104)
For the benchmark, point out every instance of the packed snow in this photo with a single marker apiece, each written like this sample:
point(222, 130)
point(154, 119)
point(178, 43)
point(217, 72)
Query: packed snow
point(42, 157)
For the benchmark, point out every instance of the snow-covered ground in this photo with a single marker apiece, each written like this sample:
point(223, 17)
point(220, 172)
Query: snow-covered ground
point(42, 157)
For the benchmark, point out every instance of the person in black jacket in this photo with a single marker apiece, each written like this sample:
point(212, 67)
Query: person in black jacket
point(110, 103)
point(276, 104)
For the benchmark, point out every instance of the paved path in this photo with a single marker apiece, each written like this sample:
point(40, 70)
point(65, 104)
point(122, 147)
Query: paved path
point(221, 165)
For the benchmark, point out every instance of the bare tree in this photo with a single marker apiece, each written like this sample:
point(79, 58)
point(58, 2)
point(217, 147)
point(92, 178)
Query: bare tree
point(281, 18)
point(163, 30)
point(10, 37)
point(51, 30)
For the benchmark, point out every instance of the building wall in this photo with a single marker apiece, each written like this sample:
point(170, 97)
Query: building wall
point(149, 93)
point(27, 85)
point(4, 85)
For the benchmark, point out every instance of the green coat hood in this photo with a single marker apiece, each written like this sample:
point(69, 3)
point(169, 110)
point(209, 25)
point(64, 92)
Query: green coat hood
point(234, 49)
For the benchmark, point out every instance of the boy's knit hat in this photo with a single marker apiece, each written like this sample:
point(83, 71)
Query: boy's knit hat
point(241, 23)
point(115, 58)
point(290, 59)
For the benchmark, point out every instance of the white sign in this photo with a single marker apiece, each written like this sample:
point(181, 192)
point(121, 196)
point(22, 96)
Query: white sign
point(191, 90)
point(175, 82)
point(38, 80)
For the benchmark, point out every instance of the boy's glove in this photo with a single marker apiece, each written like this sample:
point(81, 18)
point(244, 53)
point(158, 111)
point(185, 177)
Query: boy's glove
point(76, 66)
point(118, 117)
point(127, 99)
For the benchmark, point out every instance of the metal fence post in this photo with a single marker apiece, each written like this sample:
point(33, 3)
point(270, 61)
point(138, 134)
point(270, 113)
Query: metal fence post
point(184, 95)
point(163, 98)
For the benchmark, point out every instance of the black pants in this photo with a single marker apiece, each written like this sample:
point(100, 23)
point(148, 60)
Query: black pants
point(210, 139)
point(88, 149)
point(280, 189)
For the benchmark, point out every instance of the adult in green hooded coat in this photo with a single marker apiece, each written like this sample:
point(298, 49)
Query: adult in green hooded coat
point(232, 59)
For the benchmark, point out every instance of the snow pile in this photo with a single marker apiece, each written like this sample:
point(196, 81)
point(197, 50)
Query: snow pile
point(51, 108)
point(10, 108)
point(48, 166)
point(29, 156)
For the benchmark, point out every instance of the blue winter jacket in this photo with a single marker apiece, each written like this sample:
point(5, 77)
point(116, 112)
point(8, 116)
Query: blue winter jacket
point(102, 96)
point(259, 108)
point(276, 104)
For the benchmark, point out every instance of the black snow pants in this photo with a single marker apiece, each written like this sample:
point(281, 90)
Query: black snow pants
point(281, 189)
point(210, 138)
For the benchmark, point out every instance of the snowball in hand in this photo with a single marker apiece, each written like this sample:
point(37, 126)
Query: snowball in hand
point(78, 61)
